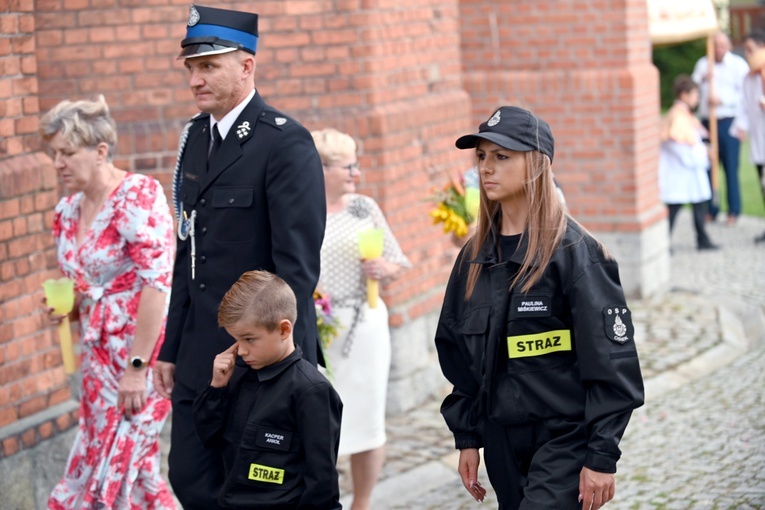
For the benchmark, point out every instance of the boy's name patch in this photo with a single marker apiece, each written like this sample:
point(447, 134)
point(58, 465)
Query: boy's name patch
point(531, 306)
point(617, 321)
point(272, 438)
point(538, 344)
point(266, 474)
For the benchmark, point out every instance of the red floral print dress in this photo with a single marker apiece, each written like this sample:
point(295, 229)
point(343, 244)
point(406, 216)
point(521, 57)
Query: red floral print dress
point(114, 462)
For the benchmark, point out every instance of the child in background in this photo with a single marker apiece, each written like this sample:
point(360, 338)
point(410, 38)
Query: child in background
point(276, 418)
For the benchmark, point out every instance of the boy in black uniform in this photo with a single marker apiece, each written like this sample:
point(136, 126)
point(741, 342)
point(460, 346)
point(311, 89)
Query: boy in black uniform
point(275, 417)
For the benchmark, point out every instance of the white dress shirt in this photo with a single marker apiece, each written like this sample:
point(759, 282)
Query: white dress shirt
point(729, 78)
point(751, 118)
point(224, 124)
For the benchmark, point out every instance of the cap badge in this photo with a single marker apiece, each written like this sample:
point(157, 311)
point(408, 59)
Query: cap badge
point(243, 129)
point(280, 121)
point(494, 120)
point(193, 16)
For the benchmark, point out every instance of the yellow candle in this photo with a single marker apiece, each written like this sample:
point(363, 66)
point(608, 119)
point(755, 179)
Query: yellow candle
point(59, 295)
point(371, 247)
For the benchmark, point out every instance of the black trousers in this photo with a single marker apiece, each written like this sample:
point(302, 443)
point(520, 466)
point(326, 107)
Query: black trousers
point(196, 473)
point(537, 466)
point(699, 217)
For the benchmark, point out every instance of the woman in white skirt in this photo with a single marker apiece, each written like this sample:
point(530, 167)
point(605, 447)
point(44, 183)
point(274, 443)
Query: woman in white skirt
point(359, 358)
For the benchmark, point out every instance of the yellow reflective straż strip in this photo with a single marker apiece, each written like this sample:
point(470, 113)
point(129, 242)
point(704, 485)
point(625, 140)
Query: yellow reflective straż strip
point(538, 344)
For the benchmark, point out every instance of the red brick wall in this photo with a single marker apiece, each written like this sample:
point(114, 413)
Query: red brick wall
point(584, 66)
point(31, 376)
point(404, 78)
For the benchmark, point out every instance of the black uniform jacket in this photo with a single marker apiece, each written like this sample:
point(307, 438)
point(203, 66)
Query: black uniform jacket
point(261, 205)
point(279, 429)
point(564, 350)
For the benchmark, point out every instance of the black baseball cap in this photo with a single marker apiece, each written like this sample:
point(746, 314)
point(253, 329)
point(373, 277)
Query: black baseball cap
point(211, 31)
point(515, 129)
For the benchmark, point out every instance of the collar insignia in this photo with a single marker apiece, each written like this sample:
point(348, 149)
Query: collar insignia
point(280, 121)
point(243, 129)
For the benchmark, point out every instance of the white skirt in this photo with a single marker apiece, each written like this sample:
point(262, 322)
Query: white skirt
point(361, 378)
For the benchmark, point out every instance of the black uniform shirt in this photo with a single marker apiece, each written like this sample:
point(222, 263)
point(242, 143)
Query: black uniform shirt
point(279, 429)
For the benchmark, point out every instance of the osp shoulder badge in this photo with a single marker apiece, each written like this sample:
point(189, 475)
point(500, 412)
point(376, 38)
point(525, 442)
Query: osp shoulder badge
point(617, 321)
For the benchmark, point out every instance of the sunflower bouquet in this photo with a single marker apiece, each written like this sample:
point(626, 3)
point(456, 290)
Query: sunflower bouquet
point(457, 206)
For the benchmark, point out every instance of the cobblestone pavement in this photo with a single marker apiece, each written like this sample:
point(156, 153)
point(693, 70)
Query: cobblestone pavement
point(699, 445)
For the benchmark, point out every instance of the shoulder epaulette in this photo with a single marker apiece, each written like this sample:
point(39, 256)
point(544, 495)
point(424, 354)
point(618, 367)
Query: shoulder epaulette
point(275, 118)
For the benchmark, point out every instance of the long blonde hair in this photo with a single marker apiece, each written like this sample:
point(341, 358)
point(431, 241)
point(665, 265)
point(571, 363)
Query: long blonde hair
point(545, 224)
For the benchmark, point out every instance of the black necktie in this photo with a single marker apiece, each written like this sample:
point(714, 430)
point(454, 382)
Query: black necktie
point(217, 140)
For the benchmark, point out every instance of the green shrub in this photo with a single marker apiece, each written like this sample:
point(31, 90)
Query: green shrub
point(673, 60)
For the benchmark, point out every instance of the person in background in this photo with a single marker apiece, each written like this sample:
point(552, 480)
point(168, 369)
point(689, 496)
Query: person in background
point(275, 417)
point(751, 117)
point(535, 334)
point(683, 160)
point(360, 356)
point(114, 238)
point(729, 72)
point(248, 195)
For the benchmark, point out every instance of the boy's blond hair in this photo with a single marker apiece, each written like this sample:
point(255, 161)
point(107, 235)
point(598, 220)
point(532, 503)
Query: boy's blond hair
point(259, 298)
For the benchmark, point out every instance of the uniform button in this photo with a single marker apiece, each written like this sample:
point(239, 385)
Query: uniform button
point(203, 258)
point(203, 202)
point(204, 230)
point(202, 287)
point(230, 200)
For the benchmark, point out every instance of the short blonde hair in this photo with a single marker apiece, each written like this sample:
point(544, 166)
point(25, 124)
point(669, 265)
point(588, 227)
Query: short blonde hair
point(333, 145)
point(261, 299)
point(81, 124)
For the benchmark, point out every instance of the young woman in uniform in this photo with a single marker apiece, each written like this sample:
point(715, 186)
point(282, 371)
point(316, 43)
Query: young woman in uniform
point(535, 334)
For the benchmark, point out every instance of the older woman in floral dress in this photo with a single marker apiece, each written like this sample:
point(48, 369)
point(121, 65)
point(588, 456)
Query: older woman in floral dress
point(114, 239)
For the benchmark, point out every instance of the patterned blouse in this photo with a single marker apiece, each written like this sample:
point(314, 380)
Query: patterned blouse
point(341, 274)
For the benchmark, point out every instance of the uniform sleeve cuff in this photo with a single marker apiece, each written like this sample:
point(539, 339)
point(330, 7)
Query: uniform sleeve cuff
point(463, 442)
point(600, 463)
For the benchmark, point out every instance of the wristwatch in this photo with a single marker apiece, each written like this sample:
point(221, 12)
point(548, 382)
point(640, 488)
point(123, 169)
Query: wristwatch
point(138, 362)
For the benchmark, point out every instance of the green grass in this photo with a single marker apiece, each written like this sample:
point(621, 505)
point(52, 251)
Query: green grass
point(751, 196)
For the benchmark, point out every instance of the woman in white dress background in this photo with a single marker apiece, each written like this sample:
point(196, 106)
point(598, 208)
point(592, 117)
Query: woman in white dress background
point(360, 355)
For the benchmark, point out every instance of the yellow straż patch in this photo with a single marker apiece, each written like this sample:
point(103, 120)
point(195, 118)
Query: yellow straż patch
point(538, 344)
point(266, 474)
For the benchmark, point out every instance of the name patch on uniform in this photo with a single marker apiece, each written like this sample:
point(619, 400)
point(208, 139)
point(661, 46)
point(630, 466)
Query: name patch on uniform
point(538, 344)
point(617, 321)
point(531, 306)
point(272, 438)
point(266, 474)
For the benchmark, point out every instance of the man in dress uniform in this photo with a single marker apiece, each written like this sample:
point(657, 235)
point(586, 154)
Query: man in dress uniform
point(249, 194)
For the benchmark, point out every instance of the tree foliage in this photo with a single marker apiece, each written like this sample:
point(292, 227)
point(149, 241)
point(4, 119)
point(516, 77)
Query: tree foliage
point(673, 60)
